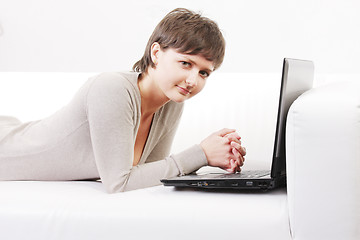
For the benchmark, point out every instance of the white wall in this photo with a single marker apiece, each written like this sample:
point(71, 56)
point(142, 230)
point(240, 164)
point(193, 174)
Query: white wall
point(110, 35)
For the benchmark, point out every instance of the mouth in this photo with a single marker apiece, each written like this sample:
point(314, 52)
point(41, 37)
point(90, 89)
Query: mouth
point(183, 91)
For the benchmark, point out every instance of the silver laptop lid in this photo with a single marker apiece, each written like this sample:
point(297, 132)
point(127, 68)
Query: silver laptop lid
point(297, 78)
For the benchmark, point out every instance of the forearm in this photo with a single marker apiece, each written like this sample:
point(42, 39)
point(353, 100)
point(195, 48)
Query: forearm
point(150, 174)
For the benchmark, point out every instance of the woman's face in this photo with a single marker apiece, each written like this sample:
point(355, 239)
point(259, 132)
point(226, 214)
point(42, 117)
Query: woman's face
point(179, 76)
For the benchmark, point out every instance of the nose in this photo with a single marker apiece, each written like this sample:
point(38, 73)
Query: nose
point(191, 80)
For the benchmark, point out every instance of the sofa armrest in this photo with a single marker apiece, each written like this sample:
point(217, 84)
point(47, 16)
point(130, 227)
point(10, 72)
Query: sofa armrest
point(323, 163)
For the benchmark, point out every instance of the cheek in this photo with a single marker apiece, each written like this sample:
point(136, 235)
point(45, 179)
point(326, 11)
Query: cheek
point(202, 84)
point(199, 88)
point(168, 71)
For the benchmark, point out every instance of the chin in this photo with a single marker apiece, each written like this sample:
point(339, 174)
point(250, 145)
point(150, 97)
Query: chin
point(180, 99)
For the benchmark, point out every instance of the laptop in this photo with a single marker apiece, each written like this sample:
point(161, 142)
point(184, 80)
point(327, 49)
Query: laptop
point(297, 77)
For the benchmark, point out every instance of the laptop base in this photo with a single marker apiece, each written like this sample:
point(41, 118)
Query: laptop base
point(217, 181)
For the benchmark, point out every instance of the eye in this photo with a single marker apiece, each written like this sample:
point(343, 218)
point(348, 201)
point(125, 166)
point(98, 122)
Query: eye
point(204, 74)
point(185, 64)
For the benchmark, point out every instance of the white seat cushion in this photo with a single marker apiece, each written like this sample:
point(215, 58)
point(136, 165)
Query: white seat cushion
point(82, 210)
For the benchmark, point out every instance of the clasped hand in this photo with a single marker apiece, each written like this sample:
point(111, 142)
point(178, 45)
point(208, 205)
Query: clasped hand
point(223, 149)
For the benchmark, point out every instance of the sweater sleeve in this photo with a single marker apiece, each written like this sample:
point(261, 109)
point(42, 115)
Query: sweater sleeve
point(110, 112)
point(186, 161)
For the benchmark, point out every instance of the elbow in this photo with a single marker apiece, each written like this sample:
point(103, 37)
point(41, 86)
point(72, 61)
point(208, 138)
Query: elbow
point(116, 185)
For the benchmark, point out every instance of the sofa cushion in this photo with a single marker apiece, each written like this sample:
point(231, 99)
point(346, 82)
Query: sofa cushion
point(82, 210)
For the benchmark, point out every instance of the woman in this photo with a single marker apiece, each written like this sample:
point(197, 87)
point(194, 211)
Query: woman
point(119, 127)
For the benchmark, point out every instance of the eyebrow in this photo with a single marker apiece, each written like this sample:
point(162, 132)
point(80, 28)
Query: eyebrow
point(191, 61)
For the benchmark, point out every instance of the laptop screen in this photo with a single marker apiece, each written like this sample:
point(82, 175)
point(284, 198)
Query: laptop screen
point(297, 77)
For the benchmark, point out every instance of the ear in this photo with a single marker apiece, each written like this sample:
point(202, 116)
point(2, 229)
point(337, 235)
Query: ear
point(155, 52)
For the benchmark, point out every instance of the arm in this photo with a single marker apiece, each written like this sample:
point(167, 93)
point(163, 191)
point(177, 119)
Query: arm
point(186, 161)
point(112, 113)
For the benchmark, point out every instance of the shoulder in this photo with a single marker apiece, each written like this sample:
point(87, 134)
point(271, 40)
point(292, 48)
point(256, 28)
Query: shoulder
point(114, 82)
point(113, 90)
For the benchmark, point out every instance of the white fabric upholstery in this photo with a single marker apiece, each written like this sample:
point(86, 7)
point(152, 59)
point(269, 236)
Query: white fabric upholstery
point(82, 210)
point(323, 163)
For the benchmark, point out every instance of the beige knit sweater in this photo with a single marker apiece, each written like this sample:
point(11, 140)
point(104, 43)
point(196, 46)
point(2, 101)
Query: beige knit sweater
point(93, 137)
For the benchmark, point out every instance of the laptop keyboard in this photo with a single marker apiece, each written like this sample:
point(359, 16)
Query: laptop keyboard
point(246, 174)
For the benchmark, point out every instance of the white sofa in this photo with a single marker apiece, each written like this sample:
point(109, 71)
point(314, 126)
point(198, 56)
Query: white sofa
point(321, 200)
point(323, 163)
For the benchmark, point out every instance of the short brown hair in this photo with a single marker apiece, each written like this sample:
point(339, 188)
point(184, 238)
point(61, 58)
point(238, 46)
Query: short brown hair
point(187, 32)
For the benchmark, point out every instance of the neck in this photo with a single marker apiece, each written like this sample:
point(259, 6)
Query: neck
point(152, 98)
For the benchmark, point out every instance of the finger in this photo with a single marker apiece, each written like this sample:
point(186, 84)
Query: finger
point(239, 158)
point(232, 166)
point(241, 149)
point(228, 169)
point(238, 168)
point(237, 155)
point(242, 161)
point(225, 131)
point(231, 155)
point(236, 145)
point(233, 139)
point(234, 135)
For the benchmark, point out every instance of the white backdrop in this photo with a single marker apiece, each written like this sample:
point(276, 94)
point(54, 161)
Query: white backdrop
point(108, 35)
